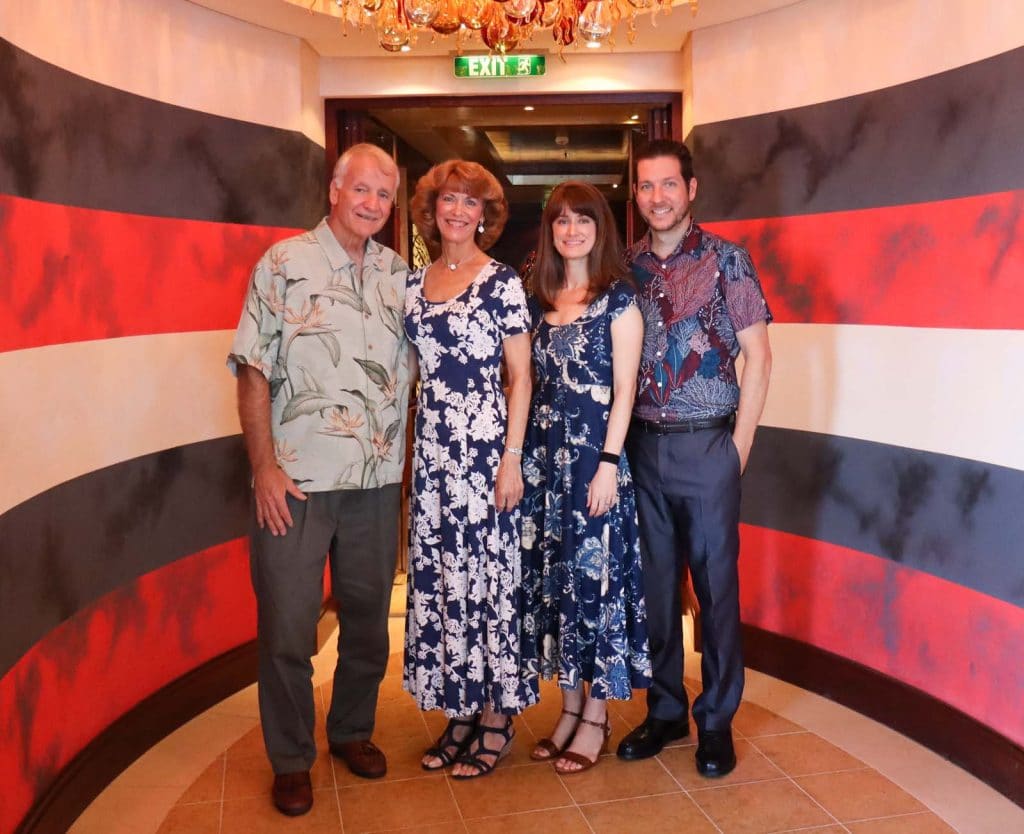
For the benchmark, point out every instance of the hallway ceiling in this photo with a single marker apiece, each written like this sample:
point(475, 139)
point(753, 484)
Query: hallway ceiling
point(326, 35)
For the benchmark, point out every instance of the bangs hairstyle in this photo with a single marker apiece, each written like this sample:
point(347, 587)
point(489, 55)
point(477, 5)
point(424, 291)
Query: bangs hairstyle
point(461, 177)
point(605, 263)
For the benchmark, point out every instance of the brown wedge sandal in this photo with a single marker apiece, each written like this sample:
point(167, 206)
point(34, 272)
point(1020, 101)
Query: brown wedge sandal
point(551, 750)
point(578, 758)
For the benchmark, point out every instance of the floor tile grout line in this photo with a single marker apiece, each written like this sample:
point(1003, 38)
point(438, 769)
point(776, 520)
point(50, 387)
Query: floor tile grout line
point(800, 788)
point(223, 788)
point(687, 794)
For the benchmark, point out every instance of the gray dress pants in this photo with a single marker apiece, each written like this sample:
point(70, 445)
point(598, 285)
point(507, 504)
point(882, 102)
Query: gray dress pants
point(357, 530)
point(688, 501)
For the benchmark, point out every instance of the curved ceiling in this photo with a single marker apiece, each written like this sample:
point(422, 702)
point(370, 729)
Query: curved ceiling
point(327, 35)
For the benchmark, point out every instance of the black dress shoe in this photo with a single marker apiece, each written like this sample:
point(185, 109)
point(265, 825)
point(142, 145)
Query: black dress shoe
point(715, 754)
point(650, 737)
point(293, 793)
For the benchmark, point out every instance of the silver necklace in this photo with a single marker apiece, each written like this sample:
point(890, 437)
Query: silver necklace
point(453, 265)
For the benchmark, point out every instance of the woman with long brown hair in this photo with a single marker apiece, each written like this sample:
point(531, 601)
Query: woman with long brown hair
point(583, 612)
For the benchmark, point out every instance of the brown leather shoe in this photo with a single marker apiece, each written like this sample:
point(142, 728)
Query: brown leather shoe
point(363, 757)
point(293, 793)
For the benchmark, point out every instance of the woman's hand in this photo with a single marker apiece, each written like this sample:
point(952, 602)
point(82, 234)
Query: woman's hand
point(603, 491)
point(508, 487)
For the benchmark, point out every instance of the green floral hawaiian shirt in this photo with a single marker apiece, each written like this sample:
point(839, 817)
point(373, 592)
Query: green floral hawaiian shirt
point(332, 345)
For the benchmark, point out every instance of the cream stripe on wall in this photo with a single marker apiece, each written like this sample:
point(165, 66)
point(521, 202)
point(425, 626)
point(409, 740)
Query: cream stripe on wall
point(79, 407)
point(178, 53)
point(954, 392)
point(820, 50)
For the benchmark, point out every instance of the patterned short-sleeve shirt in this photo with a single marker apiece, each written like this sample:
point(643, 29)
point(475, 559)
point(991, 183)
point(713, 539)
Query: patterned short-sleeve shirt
point(332, 344)
point(693, 303)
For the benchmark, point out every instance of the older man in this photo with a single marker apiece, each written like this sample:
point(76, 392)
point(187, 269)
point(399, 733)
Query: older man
point(320, 356)
point(693, 426)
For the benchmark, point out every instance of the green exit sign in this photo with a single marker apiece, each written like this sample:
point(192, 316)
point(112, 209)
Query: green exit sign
point(498, 66)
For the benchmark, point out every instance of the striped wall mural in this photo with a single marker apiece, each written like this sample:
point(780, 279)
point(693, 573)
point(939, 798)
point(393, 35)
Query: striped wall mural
point(127, 230)
point(884, 504)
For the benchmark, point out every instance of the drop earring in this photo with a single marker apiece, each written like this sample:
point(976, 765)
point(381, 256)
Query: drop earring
point(480, 228)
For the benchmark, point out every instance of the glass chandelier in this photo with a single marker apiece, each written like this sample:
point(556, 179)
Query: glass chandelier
point(502, 25)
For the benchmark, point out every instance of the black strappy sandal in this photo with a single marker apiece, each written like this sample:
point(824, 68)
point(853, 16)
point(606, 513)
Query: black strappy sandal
point(447, 749)
point(551, 750)
point(472, 754)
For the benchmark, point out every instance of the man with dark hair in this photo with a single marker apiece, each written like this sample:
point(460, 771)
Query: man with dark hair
point(320, 355)
point(692, 430)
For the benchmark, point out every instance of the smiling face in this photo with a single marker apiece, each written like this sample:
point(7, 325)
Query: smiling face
point(361, 198)
point(663, 197)
point(457, 215)
point(573, 234)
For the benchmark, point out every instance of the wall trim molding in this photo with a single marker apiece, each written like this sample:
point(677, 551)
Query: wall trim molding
point(966, 742)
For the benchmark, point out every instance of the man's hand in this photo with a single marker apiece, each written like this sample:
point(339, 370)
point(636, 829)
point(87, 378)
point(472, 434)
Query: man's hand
point(270, 485)
point(508, 486)
point(743, 446)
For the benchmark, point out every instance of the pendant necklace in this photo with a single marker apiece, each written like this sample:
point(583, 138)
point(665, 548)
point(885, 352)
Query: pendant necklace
point(453, 265)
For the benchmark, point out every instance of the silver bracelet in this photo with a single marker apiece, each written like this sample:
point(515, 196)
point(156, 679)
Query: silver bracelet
point(515, 450)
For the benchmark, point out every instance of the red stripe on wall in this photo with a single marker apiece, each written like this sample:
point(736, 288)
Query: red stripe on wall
point(953, 263)
point(74, 274)
point(958, 645)
point(96, 666)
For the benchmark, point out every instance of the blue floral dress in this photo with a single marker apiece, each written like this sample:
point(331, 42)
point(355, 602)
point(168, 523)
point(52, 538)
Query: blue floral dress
point(584, 616)
point(462, 622)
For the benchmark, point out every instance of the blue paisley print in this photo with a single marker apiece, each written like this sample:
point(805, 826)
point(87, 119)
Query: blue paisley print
point(583, 614)
point(462, 623)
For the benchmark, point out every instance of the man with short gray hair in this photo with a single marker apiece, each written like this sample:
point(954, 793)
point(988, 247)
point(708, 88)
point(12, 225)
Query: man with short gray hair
point(320, 356)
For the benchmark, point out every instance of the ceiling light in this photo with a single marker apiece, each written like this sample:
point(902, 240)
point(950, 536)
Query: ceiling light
point(501, 26)
point(635, 116)
point(528, 108)
point(615, 185)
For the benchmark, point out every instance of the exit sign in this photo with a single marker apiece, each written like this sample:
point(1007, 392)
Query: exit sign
point(498, 66)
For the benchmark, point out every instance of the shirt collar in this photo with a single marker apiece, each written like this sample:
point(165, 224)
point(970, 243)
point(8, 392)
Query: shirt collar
point(690, 242)
point(337, 257)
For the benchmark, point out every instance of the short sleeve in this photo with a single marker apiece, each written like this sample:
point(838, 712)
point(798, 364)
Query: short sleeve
point(744, 298)
point(258, 337)
point(621, 296)
point(513, 314)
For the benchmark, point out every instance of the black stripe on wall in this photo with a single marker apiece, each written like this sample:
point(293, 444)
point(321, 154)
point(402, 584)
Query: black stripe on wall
point(954, 134)
point(66, 139)
point(955, 518)
point(70, 545)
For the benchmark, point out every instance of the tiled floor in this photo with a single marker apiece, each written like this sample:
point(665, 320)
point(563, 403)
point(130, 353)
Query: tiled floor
point(805, 765)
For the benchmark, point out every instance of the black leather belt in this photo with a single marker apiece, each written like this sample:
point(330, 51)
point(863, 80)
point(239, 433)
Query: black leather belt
point(651, 427)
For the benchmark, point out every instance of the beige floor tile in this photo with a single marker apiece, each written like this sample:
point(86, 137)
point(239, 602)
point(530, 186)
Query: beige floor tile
point(250, 775)
point(560, 820)
point(801, 754)
point(817, 829)
point(450, 827)
point(674, 812)
point(126, 811)
point(209, 787)
point(257, 815)
point(859, 794)
point(759, 807)
point(752, 720)
point(379, 806)
point(926, 823)
point(510, 790)
point(613, 778)
point(192, 819)
point(244, 703)
point(751, 766)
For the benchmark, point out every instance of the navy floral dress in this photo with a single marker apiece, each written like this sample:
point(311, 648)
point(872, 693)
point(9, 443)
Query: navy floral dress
point(462, 623)
point(583, 613)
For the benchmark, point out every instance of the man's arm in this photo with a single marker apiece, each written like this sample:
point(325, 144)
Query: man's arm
point(270, 483)
point(757, 369)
